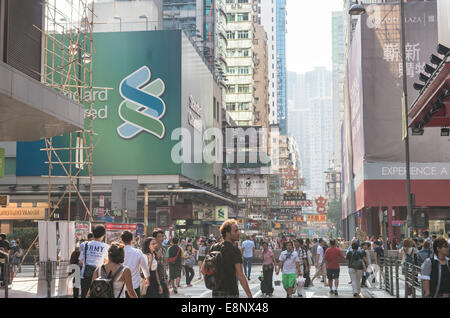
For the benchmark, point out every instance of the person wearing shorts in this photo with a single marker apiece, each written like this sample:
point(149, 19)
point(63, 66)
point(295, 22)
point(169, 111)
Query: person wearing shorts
point(331, 257)
point(290, 265)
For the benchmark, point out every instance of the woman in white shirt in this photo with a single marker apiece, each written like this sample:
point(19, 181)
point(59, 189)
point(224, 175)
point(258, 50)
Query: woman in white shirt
point(154, 288)
point(122, 282)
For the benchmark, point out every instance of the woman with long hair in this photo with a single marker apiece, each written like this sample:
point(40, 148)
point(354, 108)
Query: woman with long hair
point(154, 288)
point(114, 268)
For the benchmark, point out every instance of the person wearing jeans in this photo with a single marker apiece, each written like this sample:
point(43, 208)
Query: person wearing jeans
point(189, 260)
point(356, 265)
point(248, 250)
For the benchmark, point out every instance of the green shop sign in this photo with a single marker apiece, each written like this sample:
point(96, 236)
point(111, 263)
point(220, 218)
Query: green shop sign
point(137, 102)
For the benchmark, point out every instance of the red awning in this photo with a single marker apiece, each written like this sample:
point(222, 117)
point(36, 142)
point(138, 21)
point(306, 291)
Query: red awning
point(430, 95)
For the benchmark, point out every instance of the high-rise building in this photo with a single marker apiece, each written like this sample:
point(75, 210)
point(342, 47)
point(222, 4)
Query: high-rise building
point(310, 122)
point(205, 22)
point(240, 63)
point(261, 80)
point(281, 64)
point(268, 20)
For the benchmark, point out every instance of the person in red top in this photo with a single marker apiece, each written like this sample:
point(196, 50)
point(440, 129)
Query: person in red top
point(331, 256)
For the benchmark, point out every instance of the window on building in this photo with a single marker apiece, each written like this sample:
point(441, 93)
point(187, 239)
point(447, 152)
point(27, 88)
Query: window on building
point(231, 88)
point(244, 70)
point(244, 88)
point(242, 16)
point(244, 106)
point(231, 106)
point(230, 35)
point(231, 17)
point(231, 70)
point(243, 34)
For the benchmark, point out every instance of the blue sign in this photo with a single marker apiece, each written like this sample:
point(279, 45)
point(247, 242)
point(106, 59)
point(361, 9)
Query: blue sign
point(107, 219)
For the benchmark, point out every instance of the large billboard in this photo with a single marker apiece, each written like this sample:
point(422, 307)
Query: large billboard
point(382, 81)
point(144, 84)
point(444, 22)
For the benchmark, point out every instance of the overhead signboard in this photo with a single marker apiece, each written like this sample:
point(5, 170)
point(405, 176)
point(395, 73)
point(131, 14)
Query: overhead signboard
point(307, 203)
point(294, 196)
point(22, 213)
point(4, 200)
point(221, 213)
point(250, 187)
point(316, 218)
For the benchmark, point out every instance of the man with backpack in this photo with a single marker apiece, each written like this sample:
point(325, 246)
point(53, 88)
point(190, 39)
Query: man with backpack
point(224, 263)
point(175, 256)
point(92, 254)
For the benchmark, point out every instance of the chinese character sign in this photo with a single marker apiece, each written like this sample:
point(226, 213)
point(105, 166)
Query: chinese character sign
point(321, 204)
point(316, 218)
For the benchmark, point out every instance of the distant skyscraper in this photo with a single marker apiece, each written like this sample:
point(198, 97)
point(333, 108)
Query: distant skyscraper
point(269, 21)
point(311, 123)
point(281, 63)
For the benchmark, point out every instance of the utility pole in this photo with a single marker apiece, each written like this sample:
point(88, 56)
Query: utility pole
point(405, 116)
point(351, 207)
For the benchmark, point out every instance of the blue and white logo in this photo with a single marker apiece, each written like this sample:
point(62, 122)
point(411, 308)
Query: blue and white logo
point(142, 108)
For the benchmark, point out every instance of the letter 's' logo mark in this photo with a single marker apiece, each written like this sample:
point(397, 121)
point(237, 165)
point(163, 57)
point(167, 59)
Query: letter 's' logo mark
point(142, 107)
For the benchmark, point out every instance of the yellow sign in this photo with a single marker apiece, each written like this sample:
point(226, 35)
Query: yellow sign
point(22, 213)
point(317, 218)
point(221, 213)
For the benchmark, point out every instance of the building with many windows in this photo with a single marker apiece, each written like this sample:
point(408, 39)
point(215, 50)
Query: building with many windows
point(240, 61)
point(268, 20)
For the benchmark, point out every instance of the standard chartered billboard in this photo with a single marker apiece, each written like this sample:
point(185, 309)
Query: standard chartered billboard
point(137, 97)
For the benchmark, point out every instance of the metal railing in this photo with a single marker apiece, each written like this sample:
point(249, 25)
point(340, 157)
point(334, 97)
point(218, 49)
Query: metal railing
point(395, 273)
point(413, 283)
point(53, 279)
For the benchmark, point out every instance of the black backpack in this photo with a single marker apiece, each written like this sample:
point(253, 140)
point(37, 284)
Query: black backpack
point(103, 286)
point(213, 267)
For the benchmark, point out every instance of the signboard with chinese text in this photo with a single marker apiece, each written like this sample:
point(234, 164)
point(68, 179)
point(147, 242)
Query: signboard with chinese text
point(316, 218)
point(307, 203)
point(22, 213)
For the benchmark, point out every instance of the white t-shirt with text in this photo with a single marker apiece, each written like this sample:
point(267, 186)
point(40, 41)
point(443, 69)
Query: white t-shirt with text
point(97, 252)
point(289, 263)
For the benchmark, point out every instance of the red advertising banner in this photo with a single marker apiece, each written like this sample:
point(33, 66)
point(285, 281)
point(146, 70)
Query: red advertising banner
point(121, 227)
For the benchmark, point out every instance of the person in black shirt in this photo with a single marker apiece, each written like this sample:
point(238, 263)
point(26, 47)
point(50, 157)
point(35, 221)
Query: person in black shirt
point(232, 267)
point(4, 252)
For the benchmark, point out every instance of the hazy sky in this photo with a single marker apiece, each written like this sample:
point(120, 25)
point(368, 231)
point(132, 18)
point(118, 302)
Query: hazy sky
point(309, 33)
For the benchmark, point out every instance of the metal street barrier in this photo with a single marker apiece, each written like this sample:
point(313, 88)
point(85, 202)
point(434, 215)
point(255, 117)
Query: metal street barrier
point(413, 283)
